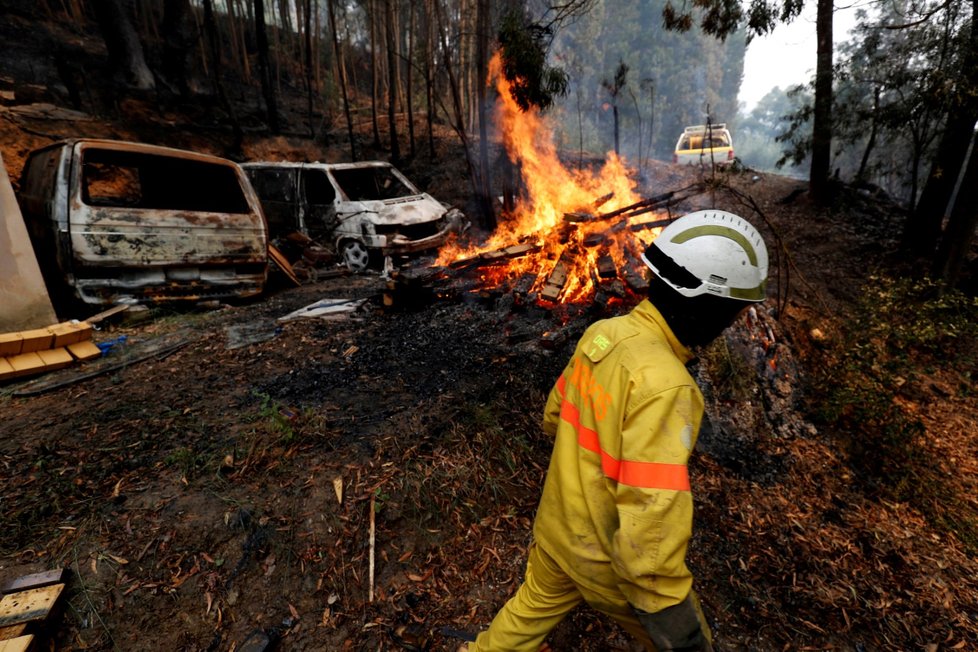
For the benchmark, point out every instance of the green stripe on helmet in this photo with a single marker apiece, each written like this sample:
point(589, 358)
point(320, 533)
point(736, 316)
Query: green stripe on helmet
point(722, 231)
point(750, 294)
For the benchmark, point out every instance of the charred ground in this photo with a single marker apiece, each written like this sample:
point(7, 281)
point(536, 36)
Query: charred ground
point(223, 491)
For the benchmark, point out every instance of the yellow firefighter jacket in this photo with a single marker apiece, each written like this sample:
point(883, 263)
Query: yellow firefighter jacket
point(616, 511)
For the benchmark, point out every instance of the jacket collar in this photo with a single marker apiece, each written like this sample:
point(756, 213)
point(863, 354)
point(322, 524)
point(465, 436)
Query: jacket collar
point(647, 314)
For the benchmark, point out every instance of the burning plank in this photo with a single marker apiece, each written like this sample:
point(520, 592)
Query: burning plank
point(498, 255)
point(644, 206)
point(606, 266)
point(558, 278)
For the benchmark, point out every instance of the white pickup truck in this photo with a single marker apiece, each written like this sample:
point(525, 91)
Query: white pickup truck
point(704, 145)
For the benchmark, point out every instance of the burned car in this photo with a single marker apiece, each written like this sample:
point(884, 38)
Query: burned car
point(366, 210)
point(119, 222)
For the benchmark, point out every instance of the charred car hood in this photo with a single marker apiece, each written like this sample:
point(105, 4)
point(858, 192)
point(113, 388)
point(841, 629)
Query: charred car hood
point(416, 209)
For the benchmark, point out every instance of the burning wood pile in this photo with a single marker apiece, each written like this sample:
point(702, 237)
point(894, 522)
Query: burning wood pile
point(587, 256)
point(574, 238)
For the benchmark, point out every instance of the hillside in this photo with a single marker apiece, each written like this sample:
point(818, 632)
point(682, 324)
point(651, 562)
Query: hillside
point(228, 492)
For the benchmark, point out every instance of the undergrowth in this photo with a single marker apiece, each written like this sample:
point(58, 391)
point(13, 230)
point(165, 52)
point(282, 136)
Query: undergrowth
point(900, 329)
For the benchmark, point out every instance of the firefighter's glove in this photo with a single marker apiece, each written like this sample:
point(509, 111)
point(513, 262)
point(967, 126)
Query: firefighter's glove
point(675, 629)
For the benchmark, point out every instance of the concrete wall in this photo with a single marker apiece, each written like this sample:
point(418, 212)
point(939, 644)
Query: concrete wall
point(24, 300)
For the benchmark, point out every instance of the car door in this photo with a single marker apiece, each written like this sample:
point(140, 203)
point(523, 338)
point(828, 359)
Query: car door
point(318, 199)
point(276, 188)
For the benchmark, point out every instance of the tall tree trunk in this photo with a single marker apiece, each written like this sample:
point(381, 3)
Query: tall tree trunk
point(487, 216)
point(123, 45)
point(960, 230)
point(614, 111)
point(308, 59)
point(412, 42)
point(923, 229)
point(871, 141)
point(178, 41)
point(822, 117)
point(429, 82)
point(458, 124)
point(374, 68)
point(268, 89)
point(237, 50)
point(210, 25)
point(341, 75)
point(392, 80)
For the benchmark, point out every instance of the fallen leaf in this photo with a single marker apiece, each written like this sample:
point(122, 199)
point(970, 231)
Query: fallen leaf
point(415, 578)
point(338, 488)
point(295, 614)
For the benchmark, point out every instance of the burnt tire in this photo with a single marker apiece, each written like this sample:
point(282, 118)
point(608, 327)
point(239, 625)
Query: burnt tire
point(355, 255)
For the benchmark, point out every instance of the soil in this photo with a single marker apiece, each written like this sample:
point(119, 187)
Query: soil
point(368, 481)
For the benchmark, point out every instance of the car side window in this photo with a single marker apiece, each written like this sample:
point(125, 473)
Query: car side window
point(316, 188)
point(272, 184)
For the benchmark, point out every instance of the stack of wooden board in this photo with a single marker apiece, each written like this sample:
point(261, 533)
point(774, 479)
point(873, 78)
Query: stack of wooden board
point(27, 609)
point(35, 351)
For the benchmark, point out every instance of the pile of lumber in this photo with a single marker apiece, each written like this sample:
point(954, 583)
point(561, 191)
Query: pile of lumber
point(39, 350)
point(28, 610)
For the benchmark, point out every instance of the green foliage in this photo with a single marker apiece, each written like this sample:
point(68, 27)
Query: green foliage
point(524, 52)
point(276, 419)
point(756, 140)
point(721, 18)
point(675, 79)
point(620, 80)
point(186, 460)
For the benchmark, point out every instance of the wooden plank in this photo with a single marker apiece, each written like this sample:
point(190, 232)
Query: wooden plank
point(24, 364)
point(84, 351)
point(30, 605)
point(11, 344)
point(19, 644)
point(34, 581)
point(105, 314)
point(67, 333)
point(12, 631)
point(283, 264)
point(36, 339)
point(606, 266)
point(489, 257)
point(557, 279)
point(55, 358)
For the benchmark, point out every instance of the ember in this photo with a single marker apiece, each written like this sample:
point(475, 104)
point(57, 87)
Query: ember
point(554, 235)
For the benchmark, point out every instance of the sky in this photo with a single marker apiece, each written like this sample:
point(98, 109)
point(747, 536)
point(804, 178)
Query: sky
point(786, 56)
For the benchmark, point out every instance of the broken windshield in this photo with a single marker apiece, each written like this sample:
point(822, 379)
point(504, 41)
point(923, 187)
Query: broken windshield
point(372, 183)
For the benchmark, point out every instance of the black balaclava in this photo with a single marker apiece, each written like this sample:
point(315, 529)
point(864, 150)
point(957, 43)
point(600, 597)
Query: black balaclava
point(695, 321)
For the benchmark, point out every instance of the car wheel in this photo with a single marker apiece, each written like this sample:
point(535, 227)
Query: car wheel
point(355, 255)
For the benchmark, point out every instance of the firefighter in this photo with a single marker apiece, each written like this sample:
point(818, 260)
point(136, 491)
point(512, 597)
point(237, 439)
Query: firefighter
point(616, 512)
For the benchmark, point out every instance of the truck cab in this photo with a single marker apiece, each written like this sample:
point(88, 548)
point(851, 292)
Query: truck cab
point(704, 145)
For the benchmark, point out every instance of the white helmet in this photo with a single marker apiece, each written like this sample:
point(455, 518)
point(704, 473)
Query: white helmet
point(710, 252)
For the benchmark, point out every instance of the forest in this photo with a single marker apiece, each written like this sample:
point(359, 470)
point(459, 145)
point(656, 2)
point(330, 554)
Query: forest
point(891, 108)
point(368, 482)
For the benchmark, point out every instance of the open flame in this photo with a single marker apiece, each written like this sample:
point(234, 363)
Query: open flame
point(552, 192)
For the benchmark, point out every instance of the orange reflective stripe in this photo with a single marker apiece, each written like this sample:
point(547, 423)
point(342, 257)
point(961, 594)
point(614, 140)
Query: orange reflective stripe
point(645, 475)
point(561, 383)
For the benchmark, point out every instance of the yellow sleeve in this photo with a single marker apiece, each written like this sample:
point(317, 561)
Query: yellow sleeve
point(655, 506)
point(551, 412)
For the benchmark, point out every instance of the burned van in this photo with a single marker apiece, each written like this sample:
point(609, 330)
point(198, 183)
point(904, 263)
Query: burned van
point(366, 210)
point(118, 222)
